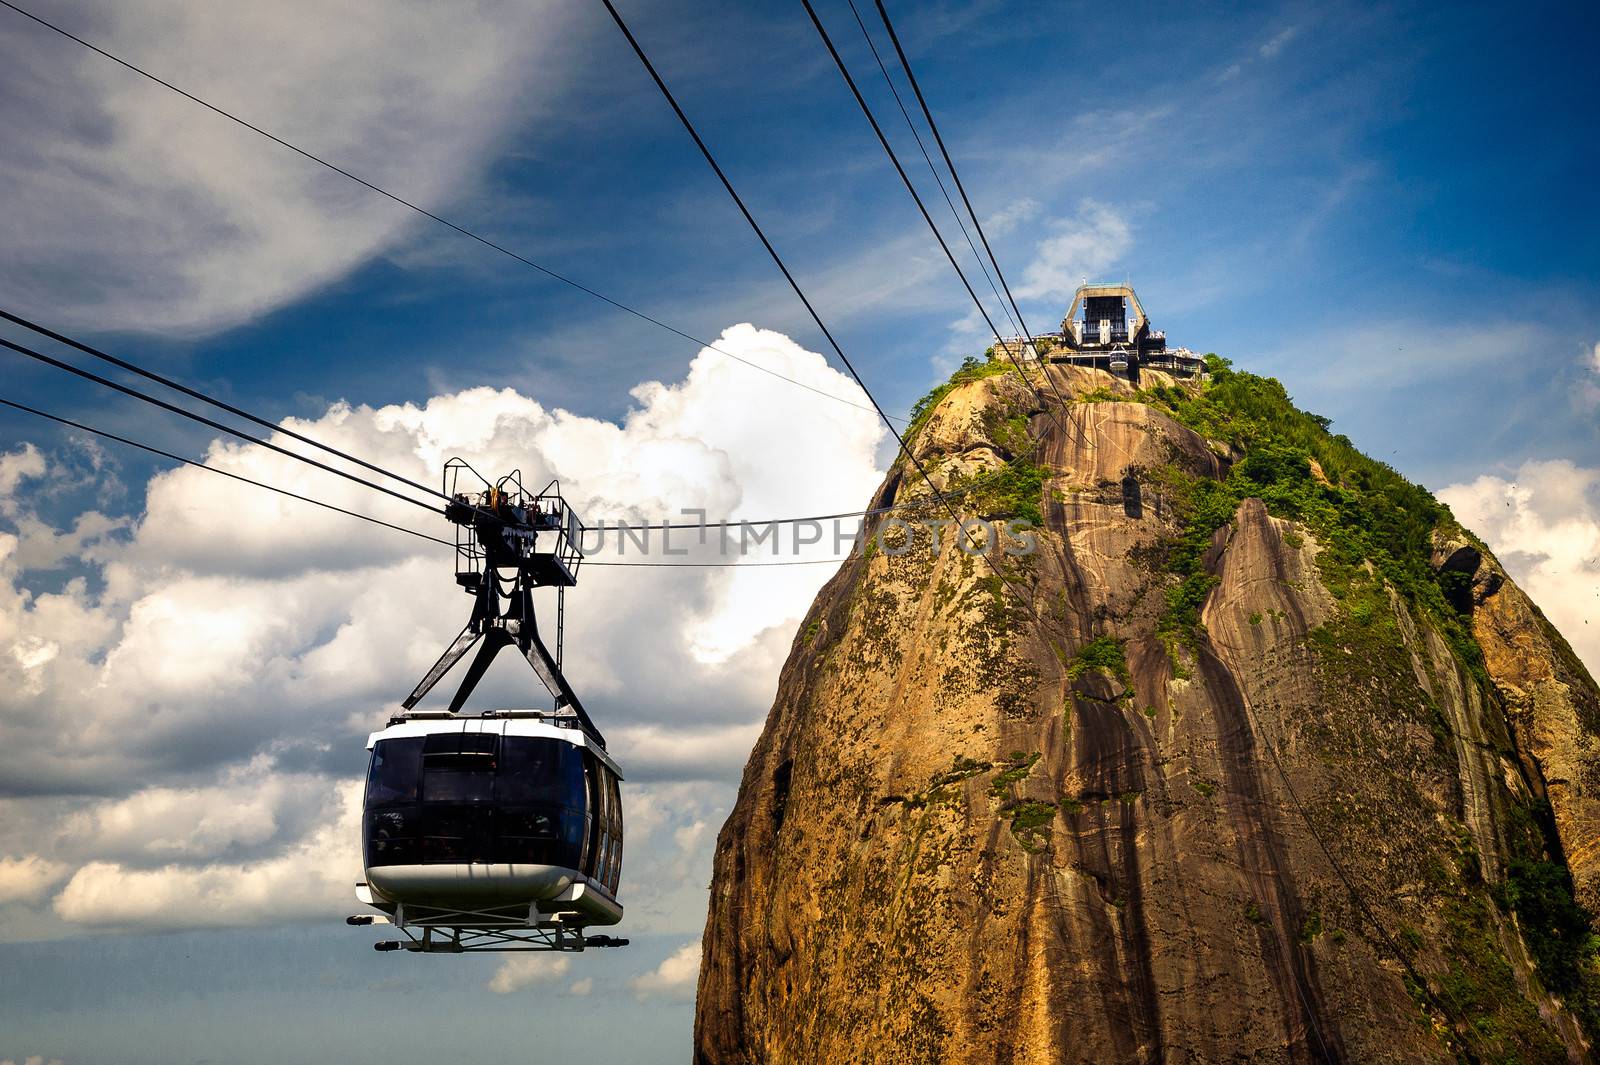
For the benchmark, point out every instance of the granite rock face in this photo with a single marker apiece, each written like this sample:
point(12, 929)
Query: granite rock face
point(1002, 812)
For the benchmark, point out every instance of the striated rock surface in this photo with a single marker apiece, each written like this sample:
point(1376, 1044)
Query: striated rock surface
point(1211, 775)
point(1548, 697)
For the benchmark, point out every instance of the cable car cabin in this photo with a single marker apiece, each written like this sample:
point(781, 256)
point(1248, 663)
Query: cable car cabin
point(501, 831)
point(511, 820)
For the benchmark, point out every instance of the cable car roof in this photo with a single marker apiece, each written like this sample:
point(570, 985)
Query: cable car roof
point(544, 723)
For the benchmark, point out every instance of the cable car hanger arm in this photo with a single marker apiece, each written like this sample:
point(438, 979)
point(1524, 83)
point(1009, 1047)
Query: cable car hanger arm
point(498, 530)
point(515, 627)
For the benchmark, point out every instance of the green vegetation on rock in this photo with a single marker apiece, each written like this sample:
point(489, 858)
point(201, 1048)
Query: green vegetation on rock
point(971, 369)
point(1098, 395)
point(1370, 521)
point(1018, 768)
point(1030, 823)
point(1102, 652)
point(1013, 491)
point(1558, 931)
point(961, 768)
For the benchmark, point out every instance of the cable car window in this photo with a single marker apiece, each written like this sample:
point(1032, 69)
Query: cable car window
point(539, 837)
point(458, 766)
point(538, 769)
point(396, 770)
point(586, 845)
point(458, 748)
point(616, 812)
point(450, 834)
point(603, 813)
point(391, 837)
point(592, 850)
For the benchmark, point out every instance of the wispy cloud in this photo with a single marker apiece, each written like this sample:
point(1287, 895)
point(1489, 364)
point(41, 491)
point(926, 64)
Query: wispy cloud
point(130, 207)
point(1085, 245)
point(1012, 216)
point(1275, 45)
point(1588, 393)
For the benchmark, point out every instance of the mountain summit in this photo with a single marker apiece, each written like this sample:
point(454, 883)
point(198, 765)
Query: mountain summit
point(1256, 756)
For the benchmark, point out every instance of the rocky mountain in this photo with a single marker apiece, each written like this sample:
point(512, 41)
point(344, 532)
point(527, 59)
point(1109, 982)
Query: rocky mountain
point(1258, 756)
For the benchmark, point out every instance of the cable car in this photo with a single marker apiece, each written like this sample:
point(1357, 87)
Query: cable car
point(494, 823)
point(499, 831)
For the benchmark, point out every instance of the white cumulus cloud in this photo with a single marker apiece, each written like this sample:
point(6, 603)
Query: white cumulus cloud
point(524, 970)
point(313, 878)
point(1544, 525)
point(185, 715)
point(15, 467)
point(674, 978)
point(248, 807)
point(29, 878)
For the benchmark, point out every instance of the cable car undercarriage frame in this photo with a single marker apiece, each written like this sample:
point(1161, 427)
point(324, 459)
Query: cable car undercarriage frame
point(499, 832)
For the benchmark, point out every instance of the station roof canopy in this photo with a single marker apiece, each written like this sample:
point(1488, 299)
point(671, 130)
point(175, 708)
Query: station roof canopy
point(1085, 292)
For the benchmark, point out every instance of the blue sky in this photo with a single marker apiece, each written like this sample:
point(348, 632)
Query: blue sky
point(1291, 180)
point(1390, 208)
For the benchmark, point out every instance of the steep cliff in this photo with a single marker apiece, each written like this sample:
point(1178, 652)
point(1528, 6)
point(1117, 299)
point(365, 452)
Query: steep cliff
point(1257, 757)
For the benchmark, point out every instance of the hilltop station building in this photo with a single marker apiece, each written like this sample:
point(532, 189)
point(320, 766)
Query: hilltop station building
point(1098, 331)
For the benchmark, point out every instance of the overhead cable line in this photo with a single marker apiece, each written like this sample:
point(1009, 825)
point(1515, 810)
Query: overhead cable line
point(129, 442)
point(600, 529)
point(977, 223)
point(771, 251)
point(1018, 321)
point(203, 420)
point(440, 219)
point(204, 398)
point(895, 159)
point(214, 469)
point(912, 126)
point(905, 179)
point(151, 375)
point(955, 175)
point(966, 488)
point(961, 188)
